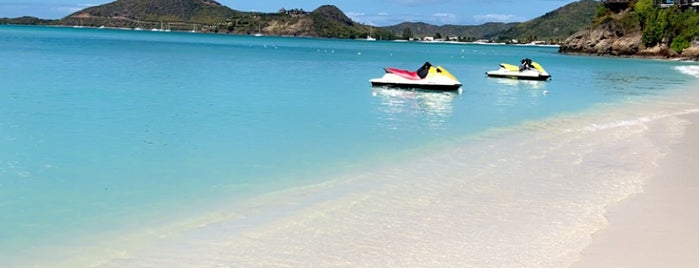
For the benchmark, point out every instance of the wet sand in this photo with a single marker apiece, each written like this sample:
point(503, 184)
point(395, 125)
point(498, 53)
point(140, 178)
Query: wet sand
point(658, 227)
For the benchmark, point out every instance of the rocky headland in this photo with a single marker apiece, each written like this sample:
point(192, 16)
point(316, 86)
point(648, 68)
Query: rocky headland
point(611, 39)
point(622, 34)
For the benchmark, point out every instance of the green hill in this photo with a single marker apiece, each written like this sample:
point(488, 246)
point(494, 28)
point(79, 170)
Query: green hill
point(208, 15)
point(469, 33)
point(639, 28)
point(26, 20)
point(330, 21)
point(676, 27)
point(151, 13)
point(555, 25)
point(326, 21)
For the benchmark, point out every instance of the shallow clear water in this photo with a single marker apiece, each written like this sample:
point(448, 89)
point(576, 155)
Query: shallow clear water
point(109, 131)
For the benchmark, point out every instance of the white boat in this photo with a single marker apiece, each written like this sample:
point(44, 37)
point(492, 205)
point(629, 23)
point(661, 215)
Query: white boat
point(259, 31)
point(527, 70)
point(369, 37)
point(427, 77)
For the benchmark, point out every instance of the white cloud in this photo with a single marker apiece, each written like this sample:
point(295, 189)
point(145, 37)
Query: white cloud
point(498, 18)
point(373, 20)
point(354, 14)
point(442, 15)
point(444, 18)
point(68, 10)
point(413, 2)
point(39, 9)
point(385, 19)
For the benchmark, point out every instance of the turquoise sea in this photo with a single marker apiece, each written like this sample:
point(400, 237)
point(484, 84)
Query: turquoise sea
point(162, 149)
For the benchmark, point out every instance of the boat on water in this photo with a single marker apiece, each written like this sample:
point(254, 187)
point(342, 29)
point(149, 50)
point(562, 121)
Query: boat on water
point(426, 77)
point(527, 70)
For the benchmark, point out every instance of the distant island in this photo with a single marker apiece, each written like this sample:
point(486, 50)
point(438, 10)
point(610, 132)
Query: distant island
point(326, 21)
point(640, 28)
point(626, 28)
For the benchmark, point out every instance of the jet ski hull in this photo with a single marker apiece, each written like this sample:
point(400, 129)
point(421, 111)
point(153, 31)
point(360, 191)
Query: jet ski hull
point(519, 75)
point(433, 78)
point(390, 80)
point(534, 72)
point(414, 86)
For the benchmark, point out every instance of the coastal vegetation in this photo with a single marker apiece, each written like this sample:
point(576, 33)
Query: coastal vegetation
point(554, 26)
point(331, 22)
point(26, 20)
point(672, 25)
point(639, 28)
point(326, 21)
point(419, 30)
point(152, 14)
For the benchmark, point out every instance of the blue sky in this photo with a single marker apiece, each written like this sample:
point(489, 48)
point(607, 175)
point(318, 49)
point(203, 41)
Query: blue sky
point(372, 12)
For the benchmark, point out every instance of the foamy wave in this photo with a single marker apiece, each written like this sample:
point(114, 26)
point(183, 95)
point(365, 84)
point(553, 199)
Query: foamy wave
point(692, 70)
point(637, 121)
point(622, 123)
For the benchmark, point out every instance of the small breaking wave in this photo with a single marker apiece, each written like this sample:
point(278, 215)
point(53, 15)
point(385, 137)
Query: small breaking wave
point(692, 70)
point(637, 121)
point(621, 123)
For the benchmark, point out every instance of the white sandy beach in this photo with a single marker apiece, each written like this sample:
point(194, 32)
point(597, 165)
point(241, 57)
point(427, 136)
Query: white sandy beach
point(658, 227)
point(179, 168)
point(531, 196)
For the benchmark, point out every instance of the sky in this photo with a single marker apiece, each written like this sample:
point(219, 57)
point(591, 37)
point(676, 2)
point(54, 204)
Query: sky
point(371, 12)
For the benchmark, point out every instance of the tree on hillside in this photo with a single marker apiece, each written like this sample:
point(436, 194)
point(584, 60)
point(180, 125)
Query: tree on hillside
point(672, 25)
point(407, 34)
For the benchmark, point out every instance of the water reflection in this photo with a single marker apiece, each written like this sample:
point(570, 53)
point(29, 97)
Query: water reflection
point(514, 92)
point(406, 106)
point(527, 84)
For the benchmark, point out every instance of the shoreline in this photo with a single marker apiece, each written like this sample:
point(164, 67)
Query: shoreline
point(656, 227)
point(634, 56)
point(524, 194)
point(325, 227)
point(397, 216)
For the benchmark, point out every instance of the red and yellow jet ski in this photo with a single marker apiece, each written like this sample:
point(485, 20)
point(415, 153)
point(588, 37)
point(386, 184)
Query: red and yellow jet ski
point(427, 77)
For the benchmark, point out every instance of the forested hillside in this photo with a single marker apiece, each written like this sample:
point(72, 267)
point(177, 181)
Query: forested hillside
point(557, 25)
point(640, 28)
point(489, 30)
point(326, 21)
point(145, 14)
point(674, 25)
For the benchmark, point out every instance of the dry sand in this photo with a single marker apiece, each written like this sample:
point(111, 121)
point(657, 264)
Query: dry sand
point(660, 226)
